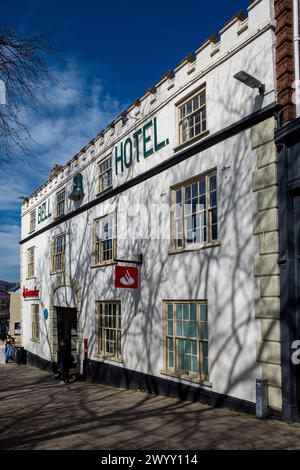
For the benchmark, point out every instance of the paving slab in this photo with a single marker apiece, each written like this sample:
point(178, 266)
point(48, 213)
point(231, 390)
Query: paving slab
point(36, 413)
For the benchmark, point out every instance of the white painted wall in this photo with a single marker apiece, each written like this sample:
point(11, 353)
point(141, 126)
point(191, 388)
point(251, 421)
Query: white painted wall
point(223, 275)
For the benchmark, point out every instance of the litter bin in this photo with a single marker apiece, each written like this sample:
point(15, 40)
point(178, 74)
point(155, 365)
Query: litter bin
point(21, 355)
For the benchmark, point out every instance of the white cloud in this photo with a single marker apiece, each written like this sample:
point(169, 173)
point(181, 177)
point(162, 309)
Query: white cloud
point(75, 109)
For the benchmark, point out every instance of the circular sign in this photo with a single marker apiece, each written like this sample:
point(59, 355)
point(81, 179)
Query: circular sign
point(46, 314)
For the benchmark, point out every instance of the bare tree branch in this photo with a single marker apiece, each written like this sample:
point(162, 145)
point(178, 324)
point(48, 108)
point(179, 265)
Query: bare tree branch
point(25, 73)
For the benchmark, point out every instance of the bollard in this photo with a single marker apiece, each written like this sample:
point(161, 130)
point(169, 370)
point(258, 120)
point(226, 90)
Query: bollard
point(261, 398)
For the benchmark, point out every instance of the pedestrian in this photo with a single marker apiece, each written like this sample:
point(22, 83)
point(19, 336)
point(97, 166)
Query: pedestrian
point(63, 361)
point(9, 349)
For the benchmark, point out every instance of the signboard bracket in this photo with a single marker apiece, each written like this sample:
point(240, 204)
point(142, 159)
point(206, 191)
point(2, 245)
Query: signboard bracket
point(139, 261)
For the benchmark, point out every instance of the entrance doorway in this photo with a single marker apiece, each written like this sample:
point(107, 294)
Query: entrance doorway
point(67, 329)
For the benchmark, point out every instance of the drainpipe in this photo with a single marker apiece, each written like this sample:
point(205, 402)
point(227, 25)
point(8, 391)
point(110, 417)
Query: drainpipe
point(296, 40)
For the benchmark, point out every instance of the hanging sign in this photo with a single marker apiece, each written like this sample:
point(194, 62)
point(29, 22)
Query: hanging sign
point(30, 293)
point(126, 277)
point(30, 289)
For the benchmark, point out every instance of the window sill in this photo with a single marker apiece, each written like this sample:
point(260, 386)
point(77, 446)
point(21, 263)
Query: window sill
point(109, 358)
point(104, 264)
point(199, 248)
point(30, 278)
point(104, 191)
point(35, 340)
point(191, 141)
point(59, 216)
point(187, 378)
point(56, 272)
point(32, 231)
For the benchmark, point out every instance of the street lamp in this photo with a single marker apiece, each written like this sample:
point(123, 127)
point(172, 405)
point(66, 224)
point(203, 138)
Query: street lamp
point(250, 81)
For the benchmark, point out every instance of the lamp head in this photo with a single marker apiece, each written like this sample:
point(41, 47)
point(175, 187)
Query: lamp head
point(250, 81)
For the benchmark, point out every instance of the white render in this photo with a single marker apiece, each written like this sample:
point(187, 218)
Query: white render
point(224, 274)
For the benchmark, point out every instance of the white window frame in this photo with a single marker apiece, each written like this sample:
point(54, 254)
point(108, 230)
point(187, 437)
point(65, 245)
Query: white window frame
point(201, 339)
point(105, 181)
point(32, 225)
point(101, 246)
point(183, 212)
point(58, 266)
point(35, 322)
point(31, 262)
point(201, 110)
point(108, 329)
point(58, 212)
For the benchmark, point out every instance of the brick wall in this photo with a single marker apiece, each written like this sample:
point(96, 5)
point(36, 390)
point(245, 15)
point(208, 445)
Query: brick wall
point(285, 58)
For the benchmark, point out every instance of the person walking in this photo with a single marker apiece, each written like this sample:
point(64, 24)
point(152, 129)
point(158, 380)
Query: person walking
point(63, 361)
point(9, 349)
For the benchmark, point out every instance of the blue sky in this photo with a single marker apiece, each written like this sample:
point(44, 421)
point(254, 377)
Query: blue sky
point(112, 52)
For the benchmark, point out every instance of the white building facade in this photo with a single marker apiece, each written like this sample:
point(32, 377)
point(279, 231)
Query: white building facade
point(182, 187)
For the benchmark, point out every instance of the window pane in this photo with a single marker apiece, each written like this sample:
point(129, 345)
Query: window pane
point(212, 183)
point(205, 349)
point(214, 216)
point(180, 345)
point(178, 311)
point(171, 359)
point(205, 366)
point(186, 328)
point(186, 311)
point(194, 364)
point(203, 330)
point(213, 199)
point(193, 311)
point(203, 312)
point(187, 365)
point(202, 98)
point(187, 194)
point(193, 329)
point(170, 311)
point(214, 232)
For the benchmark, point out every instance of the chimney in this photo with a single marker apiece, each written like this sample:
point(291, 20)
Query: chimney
point(56, 169)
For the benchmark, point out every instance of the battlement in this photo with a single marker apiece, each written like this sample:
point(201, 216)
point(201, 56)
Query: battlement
point(237, 32)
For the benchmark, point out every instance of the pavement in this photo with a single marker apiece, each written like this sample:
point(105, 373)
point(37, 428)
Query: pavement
point(36, 412)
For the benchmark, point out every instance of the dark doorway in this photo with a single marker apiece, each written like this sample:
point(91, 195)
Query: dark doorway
point(67, 329)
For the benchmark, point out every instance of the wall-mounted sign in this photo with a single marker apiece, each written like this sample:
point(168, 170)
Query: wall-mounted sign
point(44, 211)
point(46, 314)
point(30, 293)
point(126, 277)
point(143, 142)
point(17, 329)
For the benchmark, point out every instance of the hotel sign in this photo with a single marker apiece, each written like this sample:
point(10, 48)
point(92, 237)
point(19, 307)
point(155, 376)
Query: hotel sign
point(141, 144)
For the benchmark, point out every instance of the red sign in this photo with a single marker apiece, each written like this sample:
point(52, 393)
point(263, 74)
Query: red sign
point(126, 277)
point(30, 293)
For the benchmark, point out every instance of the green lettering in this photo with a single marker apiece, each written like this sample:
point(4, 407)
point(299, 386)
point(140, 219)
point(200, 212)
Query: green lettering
point(39, 214)
point(147, 139)
point(119, 159)
point(128, 141)
point(49, 213)
point(136, 143)
point(161, 144)
point(43, 211)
